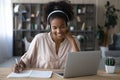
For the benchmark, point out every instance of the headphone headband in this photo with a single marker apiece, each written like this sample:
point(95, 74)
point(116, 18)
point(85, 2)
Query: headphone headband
point(57, 11)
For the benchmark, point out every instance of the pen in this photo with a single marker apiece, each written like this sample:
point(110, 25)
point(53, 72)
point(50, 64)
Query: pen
point(16, 60)
point(19, 66)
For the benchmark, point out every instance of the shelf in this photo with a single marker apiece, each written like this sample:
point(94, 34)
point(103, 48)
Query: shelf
point(25, 30)
point(79, 31)
point(31, 30)
point(29, 22)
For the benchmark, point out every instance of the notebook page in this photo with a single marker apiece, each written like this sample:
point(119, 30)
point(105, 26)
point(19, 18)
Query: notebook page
point(25, 73)
point(41, 74)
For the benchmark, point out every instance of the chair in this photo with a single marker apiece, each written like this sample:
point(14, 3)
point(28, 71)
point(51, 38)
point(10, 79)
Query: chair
point(27, 40)
point(114, 49)
point(116, 42)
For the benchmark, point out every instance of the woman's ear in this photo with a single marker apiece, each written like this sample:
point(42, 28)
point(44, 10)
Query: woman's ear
point(68, 23)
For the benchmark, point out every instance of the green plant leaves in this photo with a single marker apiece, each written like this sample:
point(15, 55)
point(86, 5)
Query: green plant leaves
point(110, 61)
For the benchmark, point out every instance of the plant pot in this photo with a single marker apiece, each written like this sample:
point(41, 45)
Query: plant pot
point(103, 50)
point(109, 69)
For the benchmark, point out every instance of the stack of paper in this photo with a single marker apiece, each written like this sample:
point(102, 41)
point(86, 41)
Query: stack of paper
point(31, 73)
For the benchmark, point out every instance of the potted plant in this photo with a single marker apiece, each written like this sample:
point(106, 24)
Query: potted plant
point(105, 32)
point(110, 65)
point(100, 35)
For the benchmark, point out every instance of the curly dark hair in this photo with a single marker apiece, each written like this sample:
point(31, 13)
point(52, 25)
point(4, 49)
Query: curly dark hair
point(59, 5)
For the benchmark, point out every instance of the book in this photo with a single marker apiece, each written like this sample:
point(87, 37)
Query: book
point(83, 26)
point(31, 73)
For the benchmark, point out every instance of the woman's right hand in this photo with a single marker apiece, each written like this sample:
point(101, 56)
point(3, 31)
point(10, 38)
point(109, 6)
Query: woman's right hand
point(18, 67)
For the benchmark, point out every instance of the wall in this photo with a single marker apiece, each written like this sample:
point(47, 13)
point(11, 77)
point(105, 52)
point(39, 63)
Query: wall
point(45, 1)
point(100, 12)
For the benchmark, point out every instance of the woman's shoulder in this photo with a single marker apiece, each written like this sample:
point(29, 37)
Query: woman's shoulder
point(41, 35)
point(75, 37)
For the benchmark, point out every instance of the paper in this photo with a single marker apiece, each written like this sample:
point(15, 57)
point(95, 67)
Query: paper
point(31, 73)
point(41, 74)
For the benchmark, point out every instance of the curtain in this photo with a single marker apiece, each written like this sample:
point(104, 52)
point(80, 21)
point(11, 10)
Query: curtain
point(6, 29)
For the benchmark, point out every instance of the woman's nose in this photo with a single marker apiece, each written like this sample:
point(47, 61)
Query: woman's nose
point(58, 30)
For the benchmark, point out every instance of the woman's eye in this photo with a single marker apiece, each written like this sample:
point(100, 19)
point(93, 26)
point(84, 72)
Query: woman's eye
point(54, 28)
point(62, 26)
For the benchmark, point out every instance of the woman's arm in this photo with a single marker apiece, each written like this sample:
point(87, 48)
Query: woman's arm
point(72, 41)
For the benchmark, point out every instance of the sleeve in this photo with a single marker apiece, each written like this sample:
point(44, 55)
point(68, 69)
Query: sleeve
point(31, 55)
point(77, 42)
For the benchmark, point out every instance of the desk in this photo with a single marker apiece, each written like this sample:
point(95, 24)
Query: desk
point(100, 76)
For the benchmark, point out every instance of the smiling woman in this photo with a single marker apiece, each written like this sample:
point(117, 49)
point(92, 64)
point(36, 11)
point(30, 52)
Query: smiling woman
point(49, 50)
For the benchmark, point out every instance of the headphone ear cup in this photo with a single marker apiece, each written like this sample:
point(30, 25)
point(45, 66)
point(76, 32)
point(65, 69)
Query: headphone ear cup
point(48, 27)
point(68, 24)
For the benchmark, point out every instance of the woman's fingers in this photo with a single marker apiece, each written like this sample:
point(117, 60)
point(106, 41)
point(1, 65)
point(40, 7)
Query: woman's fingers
point(17, 68)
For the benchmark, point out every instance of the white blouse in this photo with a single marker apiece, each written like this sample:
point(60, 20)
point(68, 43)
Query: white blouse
point(42, 53)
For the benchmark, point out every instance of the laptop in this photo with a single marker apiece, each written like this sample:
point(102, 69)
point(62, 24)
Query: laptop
point(83, 63)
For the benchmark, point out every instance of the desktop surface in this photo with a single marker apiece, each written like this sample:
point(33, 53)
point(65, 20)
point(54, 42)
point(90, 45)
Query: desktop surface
point(101, 75)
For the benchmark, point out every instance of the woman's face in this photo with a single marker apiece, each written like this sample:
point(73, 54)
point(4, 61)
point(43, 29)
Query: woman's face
point(58, 28)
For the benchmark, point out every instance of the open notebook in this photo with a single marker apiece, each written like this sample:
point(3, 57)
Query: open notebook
point(31, 73)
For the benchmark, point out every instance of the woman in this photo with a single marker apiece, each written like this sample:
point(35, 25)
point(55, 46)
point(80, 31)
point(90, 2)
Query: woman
point(49, 50)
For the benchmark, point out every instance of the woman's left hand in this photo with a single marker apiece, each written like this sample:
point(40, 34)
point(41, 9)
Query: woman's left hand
point(69, 36)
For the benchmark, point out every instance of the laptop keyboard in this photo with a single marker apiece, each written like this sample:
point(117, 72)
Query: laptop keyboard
point(61, 74)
